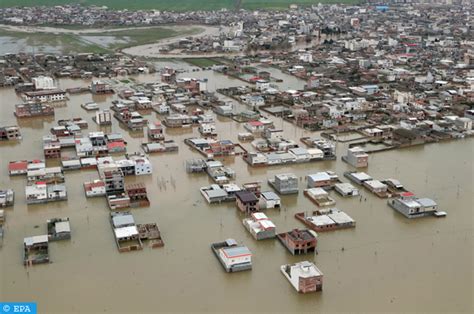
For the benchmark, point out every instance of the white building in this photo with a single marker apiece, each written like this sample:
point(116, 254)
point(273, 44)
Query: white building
point(143, 165)
point(269, 200)
point(464, 123)
point(94, 188)
point(42, 193)
point(346, 189)
point(260, 226)
point(255, 126)
point(413, 207)
point(303, 276)
point(255, 101)
point(315, 153)
point(356, 157)
point(103, 117)
point(262, 85)
point(36, 193)
point(273, 134)
point(43, 82)
point(306, 57)
point(256, 159)
point(234, 256)
point(50, 95)
point(207, 129)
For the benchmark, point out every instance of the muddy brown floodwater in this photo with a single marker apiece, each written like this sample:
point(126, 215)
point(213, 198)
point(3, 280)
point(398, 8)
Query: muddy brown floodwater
point(387, 263)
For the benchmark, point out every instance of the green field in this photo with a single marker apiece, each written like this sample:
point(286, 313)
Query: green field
point(202, 62)
point(175, 5)
point(135, 37)
point(93, 42)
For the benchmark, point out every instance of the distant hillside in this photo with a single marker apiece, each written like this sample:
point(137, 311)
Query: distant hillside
point(175, 5)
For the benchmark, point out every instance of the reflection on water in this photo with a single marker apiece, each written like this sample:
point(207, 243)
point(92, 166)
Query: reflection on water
point(388, 263)
point(106, 41)
point(34, 123)
point(10, 44)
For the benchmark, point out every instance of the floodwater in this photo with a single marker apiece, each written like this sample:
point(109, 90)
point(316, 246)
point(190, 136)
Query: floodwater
point(386, 264)
point(153, 50)
point(10, 44)
point(106, 41)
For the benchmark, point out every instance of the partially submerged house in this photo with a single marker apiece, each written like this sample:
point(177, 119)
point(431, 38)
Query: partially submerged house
point(286, 183)
point(346, 189)
point(31, 110)
point(94, 188)
point(323, 179)
point(411, 206)
point(378, 188)
point(126, 232)
point(254, 187)
point(10, 133)
point(356, 157)
point(233, 257)
point(178, 121)
point(269, 200)
point(214, 194)
point(50, 175)
point(218, 172)
point(22, 167)
point(40, 192)
point(160, 147)
point(299, 241)
point(259, 226)
point(151, 233)
point(138, 195)
point(207, 129)
point(395, 187)
point(304, 276)
point(35, 250)
point(357, 177)
point(58, 229)
point(247, 202)
point(103, 117)
point(326, 219)
point(319, 196)
point(155, 131)
point(7, 198)
point(50, 95)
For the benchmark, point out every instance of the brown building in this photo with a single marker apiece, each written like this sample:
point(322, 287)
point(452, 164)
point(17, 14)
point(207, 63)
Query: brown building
point(138, 195)
point(10, 133)
point(254, 187)
point(99, 87)
point(52, 150)
point(299, 241)
point(246, 201)
point(33, 110)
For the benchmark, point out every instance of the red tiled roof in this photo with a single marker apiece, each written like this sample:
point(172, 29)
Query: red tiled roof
point(256, 123)
point(18, 165)
point(116, 144)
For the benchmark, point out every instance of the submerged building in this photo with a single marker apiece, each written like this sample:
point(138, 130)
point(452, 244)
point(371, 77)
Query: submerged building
point(304, 276)
point(285, 183)
point(412, 207)
point(356, 157)
point(233, 257)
